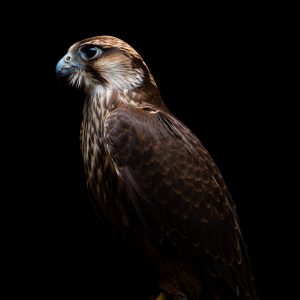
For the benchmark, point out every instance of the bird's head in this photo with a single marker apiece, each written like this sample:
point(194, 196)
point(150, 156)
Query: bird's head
point(104, 61)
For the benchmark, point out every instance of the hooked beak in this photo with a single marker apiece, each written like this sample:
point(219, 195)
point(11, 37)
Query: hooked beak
point(66, 66)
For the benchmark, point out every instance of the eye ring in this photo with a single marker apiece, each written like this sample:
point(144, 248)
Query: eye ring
point(90, 52)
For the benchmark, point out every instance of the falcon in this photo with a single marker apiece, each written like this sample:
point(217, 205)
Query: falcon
point(152, 179)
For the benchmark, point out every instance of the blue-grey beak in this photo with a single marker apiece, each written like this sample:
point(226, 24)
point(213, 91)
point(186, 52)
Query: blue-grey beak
point(66, 66)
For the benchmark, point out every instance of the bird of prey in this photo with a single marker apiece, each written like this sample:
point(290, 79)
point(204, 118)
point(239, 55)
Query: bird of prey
point(152, 179)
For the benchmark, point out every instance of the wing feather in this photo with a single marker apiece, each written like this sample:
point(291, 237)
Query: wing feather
point(178, 192)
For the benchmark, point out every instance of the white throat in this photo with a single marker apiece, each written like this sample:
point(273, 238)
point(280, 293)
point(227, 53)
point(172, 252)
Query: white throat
point(107, 98)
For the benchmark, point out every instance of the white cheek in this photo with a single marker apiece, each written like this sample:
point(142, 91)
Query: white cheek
point(135, 78)
point(126, 80)
point(120, 75)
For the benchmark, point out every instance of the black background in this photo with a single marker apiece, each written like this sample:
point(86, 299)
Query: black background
point(223, 72)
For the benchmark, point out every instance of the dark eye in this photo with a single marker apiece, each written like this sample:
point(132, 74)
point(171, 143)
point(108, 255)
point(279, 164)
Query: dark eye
point(90, 52)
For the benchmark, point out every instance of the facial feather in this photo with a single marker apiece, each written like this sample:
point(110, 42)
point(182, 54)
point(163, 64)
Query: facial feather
point(116, 69)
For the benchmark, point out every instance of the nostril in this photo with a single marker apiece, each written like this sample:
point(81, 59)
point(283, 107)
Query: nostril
point(68, 58)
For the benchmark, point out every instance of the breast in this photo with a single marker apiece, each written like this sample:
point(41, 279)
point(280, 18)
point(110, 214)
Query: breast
point(92, 147)
point(108, 195)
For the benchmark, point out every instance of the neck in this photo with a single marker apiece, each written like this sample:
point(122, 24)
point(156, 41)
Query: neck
point(107, 98)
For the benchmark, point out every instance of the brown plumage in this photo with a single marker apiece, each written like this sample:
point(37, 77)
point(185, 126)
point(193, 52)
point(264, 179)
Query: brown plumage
point(151, 177)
